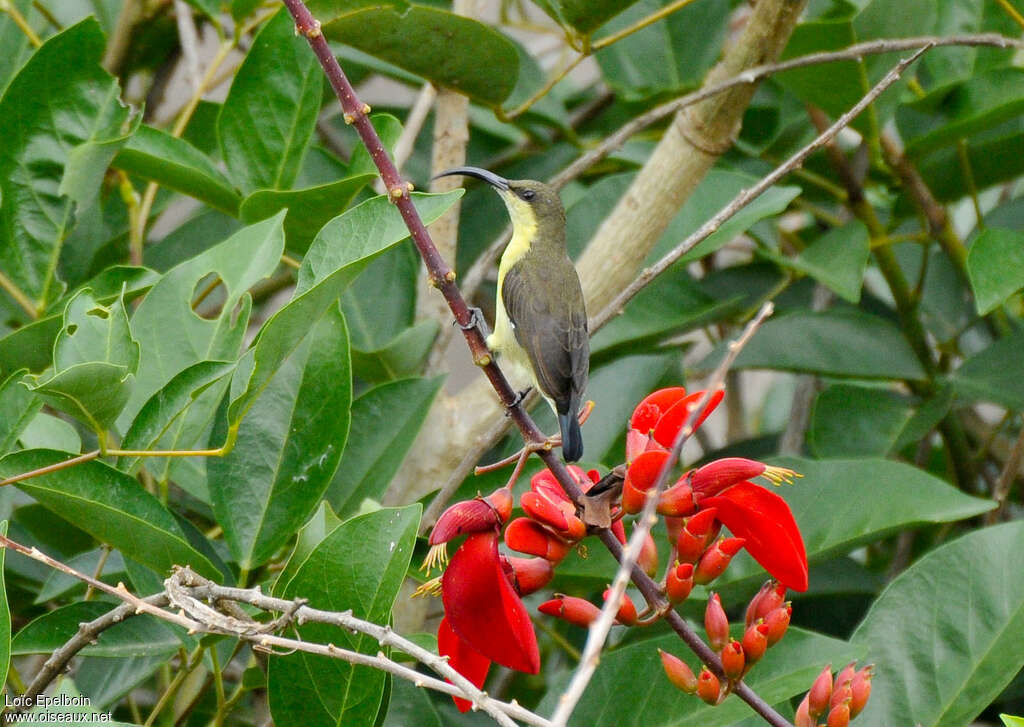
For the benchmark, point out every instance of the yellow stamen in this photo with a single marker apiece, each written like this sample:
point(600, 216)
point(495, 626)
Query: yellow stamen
point(430, 588)
point(437, 557)
point(780, 475)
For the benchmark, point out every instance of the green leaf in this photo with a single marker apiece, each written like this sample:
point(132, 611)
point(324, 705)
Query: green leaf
point(838, 259)
point(308, 209)
point(389, 129)
point(287, 451)
point(60, 585)
point(339, 253)
point(366, 557)
point(385, 421)
point(5, 615)
point(947, 635)
point(173, 337)
point(157, 156)
point(95, 359)
point(46, 431)
point(951, 113)
point(138, 636)
point(39, 130)
point(1009, 721)
point(995, 264)
point(828, 503)
point(589, 15)
point(420, 39)
point(14, 42)
point(18, 406)
point(410, 705)
point(632, 675)
point(67, 700)
point(268, 118)
point(995, 373)
point(110, 506)
point(403, 356)
point(852, 421)
point(835, 342)
point(381, 302)
point(165, 408)
point(322, 522)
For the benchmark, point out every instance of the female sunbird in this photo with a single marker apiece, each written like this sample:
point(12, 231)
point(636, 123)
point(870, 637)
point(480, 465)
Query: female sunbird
point(540, 320)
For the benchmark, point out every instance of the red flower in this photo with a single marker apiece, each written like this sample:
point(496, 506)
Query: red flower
point(547, 495)
point(484, 618)
point(657, 419)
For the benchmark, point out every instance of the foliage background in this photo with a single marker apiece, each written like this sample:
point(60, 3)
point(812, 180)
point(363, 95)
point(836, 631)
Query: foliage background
point(170, 279)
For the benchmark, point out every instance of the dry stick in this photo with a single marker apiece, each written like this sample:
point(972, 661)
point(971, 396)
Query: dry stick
point(479, 269)
point(648, 517)
point(1001, 489)
point(210, 621)
point(189, 38)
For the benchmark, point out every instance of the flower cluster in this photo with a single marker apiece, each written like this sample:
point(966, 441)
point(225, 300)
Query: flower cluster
point(485, 619)
point(835, 703)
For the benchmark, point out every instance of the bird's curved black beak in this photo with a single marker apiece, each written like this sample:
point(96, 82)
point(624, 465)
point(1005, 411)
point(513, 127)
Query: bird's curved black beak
point(490, 177)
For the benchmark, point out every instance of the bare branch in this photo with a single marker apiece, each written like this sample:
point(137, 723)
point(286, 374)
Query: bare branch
point(747, 196)
point(599, 629)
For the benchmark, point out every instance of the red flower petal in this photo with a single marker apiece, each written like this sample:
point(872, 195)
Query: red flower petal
point(461, 657)
point(672, 421)
point(715, 476)
point(644, 471)
point(483, 609)
point(469, 516)
point(765, 521)
point(648, 411)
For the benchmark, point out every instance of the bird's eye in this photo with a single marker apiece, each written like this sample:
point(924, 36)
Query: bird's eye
point(527, 194)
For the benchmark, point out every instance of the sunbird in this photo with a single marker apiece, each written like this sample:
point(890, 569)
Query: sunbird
point(540, 320)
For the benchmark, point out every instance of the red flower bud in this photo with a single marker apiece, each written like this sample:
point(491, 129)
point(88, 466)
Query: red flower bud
point(708, 687)
point(839, 715)
point(526, 536)
point(844, 677)
point(673, 420)
point(694, 539)
point(860, 687)
point(678, 672)
point(640, 477)
point(679, 583)
point(576, 611)
point(627, 611)
point(777, 622)
point(770, 597)
point(619, 531)
point(755, 642)
point(715, 476)
point(648, 559)
point(543, 511)
point(820, 694)
point(647, 413)
point(716, 623)
point(530, 574)
point(803, 717)
point(468, 516)
point(677, 500)
point(733, 660)
point(716, 559)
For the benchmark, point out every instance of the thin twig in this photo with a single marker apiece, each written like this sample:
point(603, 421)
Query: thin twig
point(51, 468)
point(599, 628)
point(1001, 490)
point(188, 38)
point(6, 6)
point(19, 296)
point(745, 197)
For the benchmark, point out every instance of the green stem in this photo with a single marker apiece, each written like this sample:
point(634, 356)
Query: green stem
point(187, 667)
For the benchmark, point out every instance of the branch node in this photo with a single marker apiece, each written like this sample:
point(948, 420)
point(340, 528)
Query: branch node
point(311, 31)
point(482, 361)
point(396, 193)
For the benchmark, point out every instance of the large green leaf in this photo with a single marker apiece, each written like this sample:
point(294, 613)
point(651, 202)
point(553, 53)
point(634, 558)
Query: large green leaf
point(288, 448)
point(629, 688)
point(268, 118)
point(163, 412)
point(157, 156)
point(173, 337)
point(385, 421)
point(359, 566)
point(381, 302)
point(46, 431)
point(138, 636)
point(947, 635)
point(420, 39)
point(995, 373)
point(402, 356)
point(18, 406)
point(308, 209)
point(995, 264)
point(342, 250)
point(837, 259)
point(321, 524)
point(14, 42)
point(110, 506)
point(95, 359)
point(589, 15)
point(59, 100)
point(828, 503)
point(836, 342)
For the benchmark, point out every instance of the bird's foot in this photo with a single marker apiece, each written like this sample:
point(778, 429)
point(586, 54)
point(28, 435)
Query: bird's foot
point(476, 320)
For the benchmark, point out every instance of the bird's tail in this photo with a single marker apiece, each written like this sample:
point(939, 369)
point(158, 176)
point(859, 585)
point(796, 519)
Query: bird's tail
point(572, 437)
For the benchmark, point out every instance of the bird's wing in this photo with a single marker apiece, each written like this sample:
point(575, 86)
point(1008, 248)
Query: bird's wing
point(551, 325)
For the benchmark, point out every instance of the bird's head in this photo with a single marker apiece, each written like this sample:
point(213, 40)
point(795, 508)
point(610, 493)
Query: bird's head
point(530, 203)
